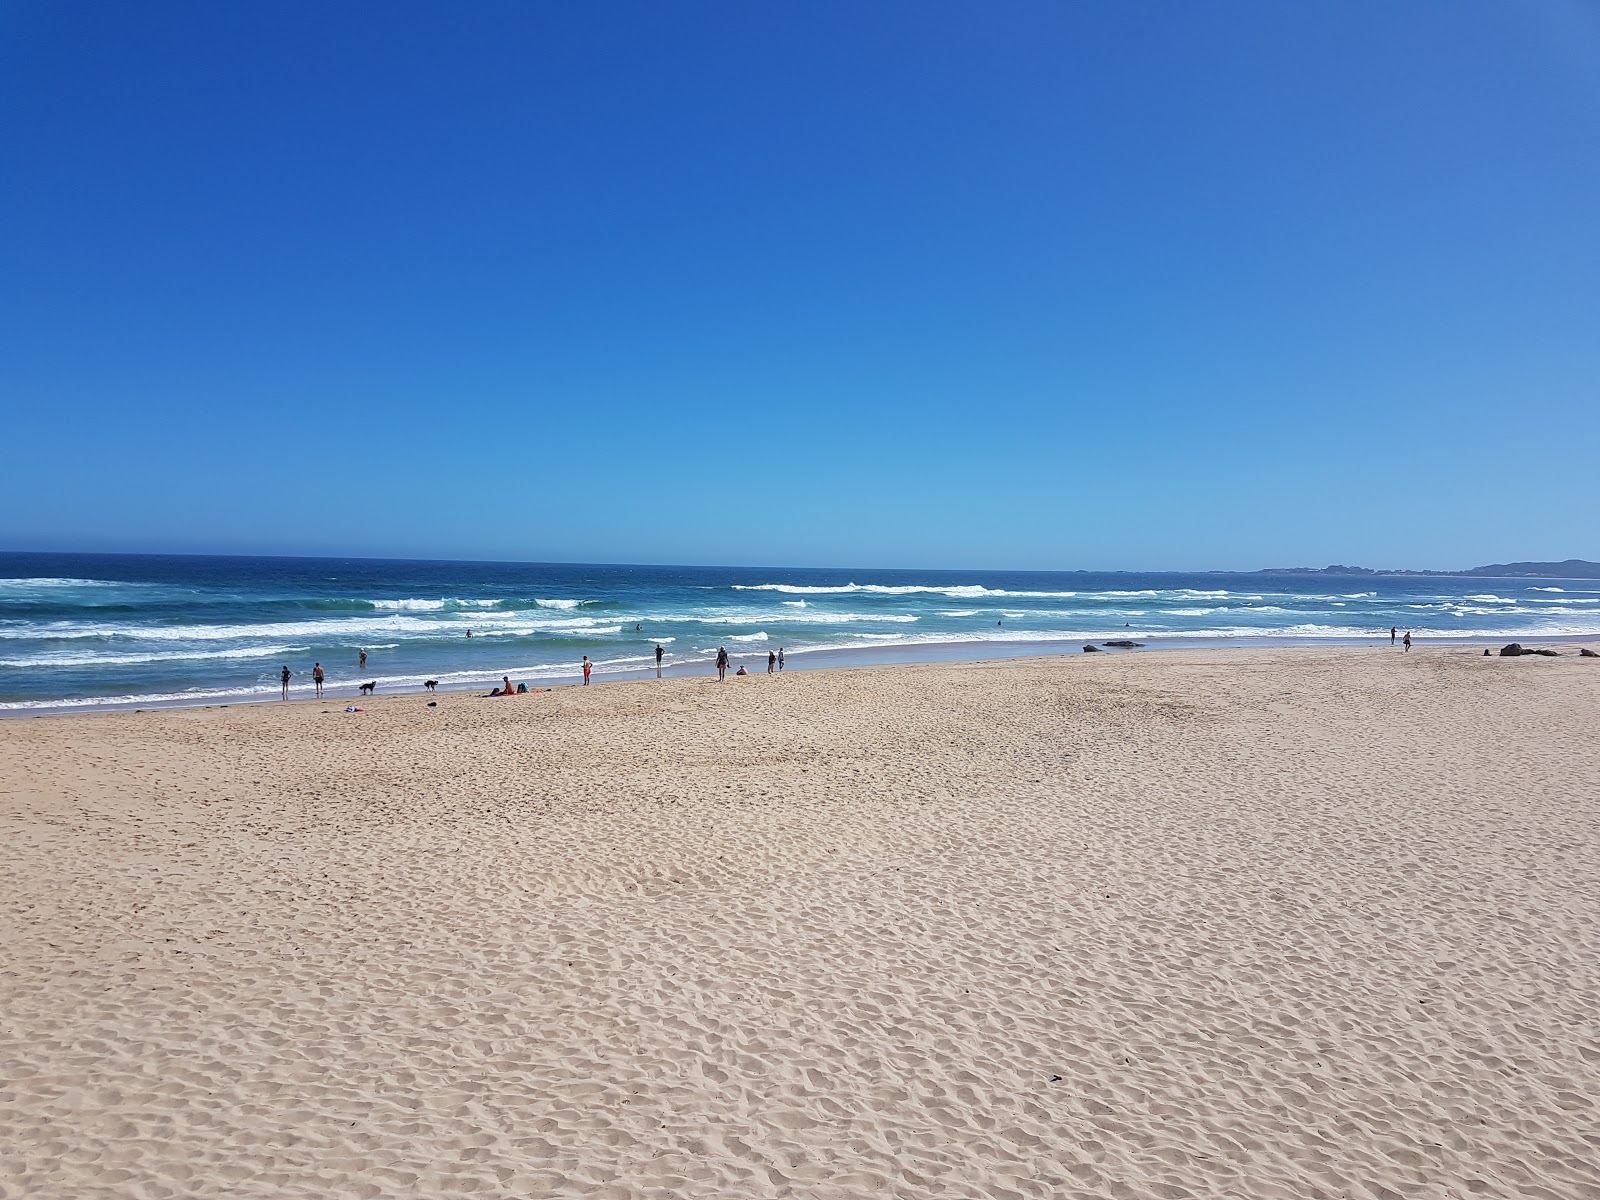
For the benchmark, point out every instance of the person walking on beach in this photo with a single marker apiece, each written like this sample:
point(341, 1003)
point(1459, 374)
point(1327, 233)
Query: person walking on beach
point(722, 664)
point(1407, 641)
point(587, 667)
point(772, 662)
point(285, 678)
point(780, 658)
point(363, 663)
point(1392, 632)
point(316, 678)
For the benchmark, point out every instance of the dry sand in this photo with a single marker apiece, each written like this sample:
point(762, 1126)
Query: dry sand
point(1297, 923)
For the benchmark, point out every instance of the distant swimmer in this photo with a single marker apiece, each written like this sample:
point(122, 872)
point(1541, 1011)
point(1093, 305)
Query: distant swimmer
point(316, 678)
point(1392, 632)
point(363, 663)
point(659, 653)
point(722, 664)
point(285, 678)
point(772, 662)
point(780, 658)
point(1407, 641)
point(637, 628)
point(469, 633)
point(587, 667)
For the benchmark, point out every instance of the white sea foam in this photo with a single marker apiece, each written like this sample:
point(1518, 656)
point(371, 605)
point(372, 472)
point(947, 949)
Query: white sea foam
point(48, 660)
point(748, 637)
point(961, 612)
point(954, 591)
point(52, 582)
point(557, 603)
point(1546, 589)
point(408, 605)
point(795, 603)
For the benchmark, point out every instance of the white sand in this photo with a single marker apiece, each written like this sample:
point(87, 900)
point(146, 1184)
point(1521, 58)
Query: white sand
point(1299, 923)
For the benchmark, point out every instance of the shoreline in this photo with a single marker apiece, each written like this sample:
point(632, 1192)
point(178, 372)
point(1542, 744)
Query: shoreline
point(913, 653)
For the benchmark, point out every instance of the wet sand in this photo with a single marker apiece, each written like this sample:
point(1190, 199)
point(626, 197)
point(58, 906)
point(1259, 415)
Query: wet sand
point(1246, 923)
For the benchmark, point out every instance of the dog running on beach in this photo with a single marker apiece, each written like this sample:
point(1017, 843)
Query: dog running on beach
point(430, 684)
point(366, 688)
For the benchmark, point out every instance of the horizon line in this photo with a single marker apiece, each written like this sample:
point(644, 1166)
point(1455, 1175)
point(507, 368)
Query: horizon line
point(1331, 569)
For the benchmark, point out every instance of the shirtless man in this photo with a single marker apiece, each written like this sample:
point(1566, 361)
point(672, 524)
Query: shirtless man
point(285, 678)
point(316, 678)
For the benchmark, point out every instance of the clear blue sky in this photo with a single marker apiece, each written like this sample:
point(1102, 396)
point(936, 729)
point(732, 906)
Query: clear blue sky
point(1025, 285)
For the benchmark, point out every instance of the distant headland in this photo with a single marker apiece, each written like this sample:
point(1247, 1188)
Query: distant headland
point(1572, 568)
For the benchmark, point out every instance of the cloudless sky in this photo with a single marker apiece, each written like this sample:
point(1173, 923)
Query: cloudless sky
point(1051, 285)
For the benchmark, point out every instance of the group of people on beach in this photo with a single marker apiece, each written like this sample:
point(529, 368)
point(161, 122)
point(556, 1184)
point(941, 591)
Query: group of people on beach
point(774, 662)
point(775, 659)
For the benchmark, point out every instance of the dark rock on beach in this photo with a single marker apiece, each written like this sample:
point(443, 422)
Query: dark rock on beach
point(1517, 650)
point(1091, 649)
point(1511, 651)
point(1585, 652)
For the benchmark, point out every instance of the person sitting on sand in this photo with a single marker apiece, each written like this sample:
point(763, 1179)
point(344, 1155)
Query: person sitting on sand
point(741, 671)
point(506, 689)
point(522, 689)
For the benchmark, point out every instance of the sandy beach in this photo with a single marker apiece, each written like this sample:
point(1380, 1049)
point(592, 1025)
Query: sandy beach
point(1289, 923)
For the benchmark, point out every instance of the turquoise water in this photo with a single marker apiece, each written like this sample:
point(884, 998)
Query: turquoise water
point(89, 630)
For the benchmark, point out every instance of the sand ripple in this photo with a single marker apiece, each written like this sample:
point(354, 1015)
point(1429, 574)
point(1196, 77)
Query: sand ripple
point(1259, 924)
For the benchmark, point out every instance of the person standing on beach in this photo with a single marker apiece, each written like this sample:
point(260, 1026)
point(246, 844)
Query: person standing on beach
point(780, 658)
point(1392, 631)
point(587, 667)
point(659, 653)
point(1407, 641)
point(772, 662)
point(722, 664)
point(363, 662)
point(285, 678)
point(316, 678)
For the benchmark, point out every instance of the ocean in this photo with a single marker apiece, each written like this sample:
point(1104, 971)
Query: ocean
point(83, 631)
